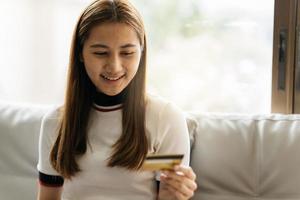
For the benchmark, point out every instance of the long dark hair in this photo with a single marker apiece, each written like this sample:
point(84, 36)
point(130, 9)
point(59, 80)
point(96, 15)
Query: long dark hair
point(131, 148)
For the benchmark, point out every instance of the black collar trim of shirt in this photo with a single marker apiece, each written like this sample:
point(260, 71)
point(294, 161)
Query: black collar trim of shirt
point(102, 99)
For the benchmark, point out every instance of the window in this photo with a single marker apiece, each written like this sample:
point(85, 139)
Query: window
point(211, 55)
point(286, 68)
point(207, 55)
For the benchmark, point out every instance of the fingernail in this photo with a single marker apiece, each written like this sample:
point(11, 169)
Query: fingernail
point(163, 178)
point(165, 172)
point(176, 167)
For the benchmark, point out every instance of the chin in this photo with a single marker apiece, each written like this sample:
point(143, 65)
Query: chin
point(111, 93)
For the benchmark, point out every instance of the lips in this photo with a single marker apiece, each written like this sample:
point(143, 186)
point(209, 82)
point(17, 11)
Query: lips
point(112, 78)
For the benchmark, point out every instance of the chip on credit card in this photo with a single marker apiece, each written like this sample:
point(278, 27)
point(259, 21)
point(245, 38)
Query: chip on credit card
point(162, 162)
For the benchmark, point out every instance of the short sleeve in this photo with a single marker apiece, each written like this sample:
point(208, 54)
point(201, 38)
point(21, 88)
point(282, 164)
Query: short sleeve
point(173, 136)
point(47, 137)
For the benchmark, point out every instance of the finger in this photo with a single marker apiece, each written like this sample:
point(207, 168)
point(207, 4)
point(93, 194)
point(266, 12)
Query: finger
point(191, 184)
point(186, 186)
point(177, 194)
point(186, 170)
point(179, 186)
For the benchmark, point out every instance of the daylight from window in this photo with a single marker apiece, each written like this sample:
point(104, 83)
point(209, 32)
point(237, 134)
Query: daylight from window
point(204, 55)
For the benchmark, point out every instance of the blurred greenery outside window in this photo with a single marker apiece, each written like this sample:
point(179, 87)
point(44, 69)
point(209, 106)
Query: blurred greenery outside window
point(204, 55)
point(213, 56)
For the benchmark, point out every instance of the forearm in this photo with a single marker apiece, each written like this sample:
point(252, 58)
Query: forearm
point(49, 193)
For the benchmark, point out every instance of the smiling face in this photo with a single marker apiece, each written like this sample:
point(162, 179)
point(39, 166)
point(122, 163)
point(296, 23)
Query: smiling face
point(111, 56)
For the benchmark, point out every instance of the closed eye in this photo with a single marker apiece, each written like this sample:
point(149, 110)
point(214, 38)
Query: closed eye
point(101, 53)
point(127, 53)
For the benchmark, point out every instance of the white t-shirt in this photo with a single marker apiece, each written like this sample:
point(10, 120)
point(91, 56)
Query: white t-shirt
point(166, 130)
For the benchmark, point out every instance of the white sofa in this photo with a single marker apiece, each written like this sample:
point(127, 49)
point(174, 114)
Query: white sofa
point(236, 157)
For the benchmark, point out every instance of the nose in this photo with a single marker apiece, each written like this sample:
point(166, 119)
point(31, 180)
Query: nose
point(114, 65)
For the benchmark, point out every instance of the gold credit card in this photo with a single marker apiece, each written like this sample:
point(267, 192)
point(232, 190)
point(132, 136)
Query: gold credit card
point(161, 162)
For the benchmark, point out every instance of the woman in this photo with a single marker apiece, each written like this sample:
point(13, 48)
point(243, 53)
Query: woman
point(93, 147)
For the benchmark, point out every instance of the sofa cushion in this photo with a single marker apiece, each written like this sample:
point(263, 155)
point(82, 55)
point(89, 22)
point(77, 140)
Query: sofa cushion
point(246, 156)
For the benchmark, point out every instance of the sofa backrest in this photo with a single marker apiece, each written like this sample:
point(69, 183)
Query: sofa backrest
point(235, 157)
point(245, 156)
point(19, 132)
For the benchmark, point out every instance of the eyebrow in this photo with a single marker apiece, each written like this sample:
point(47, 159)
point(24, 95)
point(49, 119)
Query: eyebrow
point(106, 47)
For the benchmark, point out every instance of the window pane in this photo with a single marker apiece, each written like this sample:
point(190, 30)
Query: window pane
point(211, 55)
point(204, 55)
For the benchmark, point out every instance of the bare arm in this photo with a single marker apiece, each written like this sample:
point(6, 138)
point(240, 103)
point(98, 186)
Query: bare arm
point(49, 193)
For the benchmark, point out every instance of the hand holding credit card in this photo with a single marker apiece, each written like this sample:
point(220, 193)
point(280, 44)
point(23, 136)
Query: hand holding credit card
point(161, 162)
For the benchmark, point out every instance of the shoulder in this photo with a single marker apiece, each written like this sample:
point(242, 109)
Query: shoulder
point(155, 102)
point(162, 113)
point(159, 106)
point(53, 113)
point(50, 122)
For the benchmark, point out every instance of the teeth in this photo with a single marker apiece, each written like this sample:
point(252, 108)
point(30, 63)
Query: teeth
point(112, 79)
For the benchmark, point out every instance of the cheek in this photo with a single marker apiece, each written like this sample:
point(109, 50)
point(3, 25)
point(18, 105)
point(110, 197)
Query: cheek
point(91, 70)
point(91, 63)
point(89, 67)
point(135, 64)
point(132, 68)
